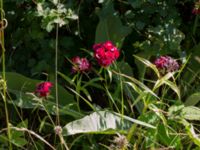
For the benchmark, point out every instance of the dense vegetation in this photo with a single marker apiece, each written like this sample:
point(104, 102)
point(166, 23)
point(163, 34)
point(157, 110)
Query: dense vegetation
point(100, 74)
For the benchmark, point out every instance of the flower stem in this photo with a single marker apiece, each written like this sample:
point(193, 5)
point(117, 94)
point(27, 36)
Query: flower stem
point(4, 74)
point(56, 76)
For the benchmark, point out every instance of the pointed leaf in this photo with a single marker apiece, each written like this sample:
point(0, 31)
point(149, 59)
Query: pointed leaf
point(193, 99)
point(191, 113)
point(20, 83)
point(110, 26)
point(101, 122)
point(148, 64)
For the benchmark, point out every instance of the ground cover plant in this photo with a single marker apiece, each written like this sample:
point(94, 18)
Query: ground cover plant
point(100, 74)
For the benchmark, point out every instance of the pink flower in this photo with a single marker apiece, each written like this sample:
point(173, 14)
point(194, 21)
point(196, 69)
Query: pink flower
point(80, 64)
point(196, 9)
point(105, 53)
point(166, 64)
point(43, 89)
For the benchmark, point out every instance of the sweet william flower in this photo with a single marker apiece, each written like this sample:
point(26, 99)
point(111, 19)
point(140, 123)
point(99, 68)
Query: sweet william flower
point(196, 9)
point(105, 53)
point(166, 64)
point(43, 89)
point(80, 64)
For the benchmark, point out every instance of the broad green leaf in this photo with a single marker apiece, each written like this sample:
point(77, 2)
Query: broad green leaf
point(136, 121)
point(20, 142)
point(171, 140)
point(168, 37)
point(23, 88)
point(101, 122)
point(159, 113)
point(25, 100)
point(136, 3)
point(17, 141)
point(18, 82)
point(192, 99)
point(191, 113)
point(110, 26)
point(23, 124)
point(174, 111)
point(125, 68)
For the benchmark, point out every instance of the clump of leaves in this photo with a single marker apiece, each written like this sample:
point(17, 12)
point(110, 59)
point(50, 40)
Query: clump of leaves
point(53, 13)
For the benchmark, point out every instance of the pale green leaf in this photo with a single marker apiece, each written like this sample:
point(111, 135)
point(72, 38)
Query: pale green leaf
point(193, 99)
point(102, 122)
point(191, 113)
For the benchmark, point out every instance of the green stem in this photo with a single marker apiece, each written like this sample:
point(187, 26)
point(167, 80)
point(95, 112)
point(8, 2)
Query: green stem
point(50, 118)
point(122, 95)
point(78, 90)
point(56, 76)
point(134, 127)
point(195, 25)
point(4, 76)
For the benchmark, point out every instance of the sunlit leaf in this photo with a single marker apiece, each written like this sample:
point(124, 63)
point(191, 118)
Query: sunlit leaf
point(102, 122)
point(191, 113)
point(148, 64)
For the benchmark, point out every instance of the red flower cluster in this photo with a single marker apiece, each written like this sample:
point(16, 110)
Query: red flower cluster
point(196, 9)
point(43, 89)
point(80, 64)
point(166, 64)
point(105, 53)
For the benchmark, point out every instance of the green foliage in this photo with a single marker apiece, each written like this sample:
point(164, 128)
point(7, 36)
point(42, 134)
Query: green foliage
point(110, 26)
point(57, 14)
point(102, 122)
point(19, 83)
point(130, 98)
point(193, 99)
